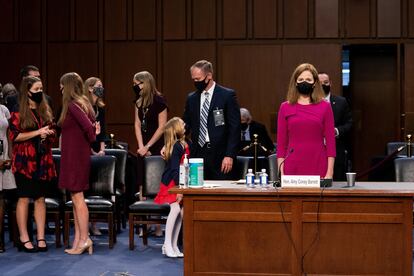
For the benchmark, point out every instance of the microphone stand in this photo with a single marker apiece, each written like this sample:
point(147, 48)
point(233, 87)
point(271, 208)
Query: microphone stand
point(255, 144)
point(409, 153)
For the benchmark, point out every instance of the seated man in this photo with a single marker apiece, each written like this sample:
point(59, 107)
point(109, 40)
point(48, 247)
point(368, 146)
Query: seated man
point(248, 129)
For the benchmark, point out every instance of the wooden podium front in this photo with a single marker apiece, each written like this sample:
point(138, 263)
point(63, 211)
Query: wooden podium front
point(232, 230)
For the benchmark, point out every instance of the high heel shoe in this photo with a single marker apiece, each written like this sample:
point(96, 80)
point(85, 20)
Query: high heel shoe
point(41, 248)
point(21, 246)
point(87, 246)
point(178, 253)
point(169, 253)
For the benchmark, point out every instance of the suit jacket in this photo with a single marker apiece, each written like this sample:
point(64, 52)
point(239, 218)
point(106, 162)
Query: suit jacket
point(263, 137)
point(225, 138)
point(343, 119)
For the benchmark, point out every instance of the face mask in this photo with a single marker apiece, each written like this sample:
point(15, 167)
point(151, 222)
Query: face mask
point(136, 89)
point(244, 126)
point(326, 88)
point(305, 88)
point(36, 97)
point(99, 92)
point(201, 85)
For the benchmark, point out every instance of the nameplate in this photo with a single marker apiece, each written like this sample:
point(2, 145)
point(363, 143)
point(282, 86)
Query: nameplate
point(301, 181)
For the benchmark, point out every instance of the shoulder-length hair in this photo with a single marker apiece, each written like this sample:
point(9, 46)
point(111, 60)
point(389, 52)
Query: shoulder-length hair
point(293, 93)
point(89, 83)
point(26, 118)
point(172, 135)
point(149, 90)
point(73, 91)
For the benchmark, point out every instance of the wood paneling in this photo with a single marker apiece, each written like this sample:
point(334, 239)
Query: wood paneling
point(234, 19)
point(265, 18)
point(204, 19)
point(116, 21)
point(86, 20)
point(30, 18)
point(174, 19)
point(145, 16)
point(69, 57)
point(410, 18)
point(254, 71)
point(7, 20)
point(176, 79)
point(58, 20)
point(389, 18)
point(409, 87)
point(295, 18)
point(357, 18)
point(326, 18)
point(122, 61)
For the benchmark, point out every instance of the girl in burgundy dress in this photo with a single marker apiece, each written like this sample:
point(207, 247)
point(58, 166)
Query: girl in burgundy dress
point(175, 149)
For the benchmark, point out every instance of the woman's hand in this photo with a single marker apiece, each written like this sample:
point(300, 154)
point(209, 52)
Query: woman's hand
point(179, 198)
point(101, 153)
point(97, 128)
point(45, 131)
point(142, 151)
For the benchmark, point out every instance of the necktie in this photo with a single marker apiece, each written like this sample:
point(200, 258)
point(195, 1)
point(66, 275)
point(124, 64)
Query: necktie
point(203, 121)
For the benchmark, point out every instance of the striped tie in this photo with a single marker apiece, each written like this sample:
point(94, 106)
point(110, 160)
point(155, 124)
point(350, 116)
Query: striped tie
point(203, 121)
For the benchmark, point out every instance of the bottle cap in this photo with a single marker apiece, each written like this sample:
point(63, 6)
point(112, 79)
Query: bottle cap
point(263, 170)
point(249, 170)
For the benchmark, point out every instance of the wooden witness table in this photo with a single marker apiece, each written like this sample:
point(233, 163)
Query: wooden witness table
point(232, 230)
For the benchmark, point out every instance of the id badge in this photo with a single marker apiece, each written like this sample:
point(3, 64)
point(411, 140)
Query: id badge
point(218, 117)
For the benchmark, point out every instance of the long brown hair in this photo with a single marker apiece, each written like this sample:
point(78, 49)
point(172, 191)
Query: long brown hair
point(148, 90)
point(172, 134)
point(90, 83)
point(26, 118)
point(73, 91)
point(293, 93)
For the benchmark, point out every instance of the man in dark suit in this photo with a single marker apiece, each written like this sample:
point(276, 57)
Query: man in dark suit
point(249, 128)
point(212, 116)
point(343, 124)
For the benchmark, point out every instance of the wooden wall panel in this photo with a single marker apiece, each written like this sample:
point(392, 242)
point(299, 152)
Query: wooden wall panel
point(254, 71)
point(145, 19)
point(409, 87)
point(30, 18)
point(62, 58)
point(234, 19)
point(174, 19)
point(58, 20)
point(295, 18)
point(357, 18)
point(116, 20)
point(326, 18)
point(86, 20)
point(7, 20)
point(176, 78)
point(389, 18)
point(265, 18)
point(122, 61)
point(204, 19)
point(14, 57)
point(410, 18)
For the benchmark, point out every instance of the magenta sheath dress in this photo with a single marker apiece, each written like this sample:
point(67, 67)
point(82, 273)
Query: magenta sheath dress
point(307, 134)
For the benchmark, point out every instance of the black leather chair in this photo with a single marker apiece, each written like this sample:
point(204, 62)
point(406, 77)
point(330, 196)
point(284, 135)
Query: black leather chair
point(242, 165)
point(393, 146)
point(120, 168)
point(56, 151)
point(100, 197)
point(273, 168)
point(404, 169)
point(147, 211)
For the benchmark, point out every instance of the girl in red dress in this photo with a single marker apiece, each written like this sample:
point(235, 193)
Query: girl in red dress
point(175, 149)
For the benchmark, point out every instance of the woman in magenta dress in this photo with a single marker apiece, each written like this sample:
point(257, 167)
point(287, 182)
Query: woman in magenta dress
point(305, 127)
point(175, 150)
point(78, 132)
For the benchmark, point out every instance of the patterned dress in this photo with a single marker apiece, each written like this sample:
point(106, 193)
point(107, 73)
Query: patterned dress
point(6, 176)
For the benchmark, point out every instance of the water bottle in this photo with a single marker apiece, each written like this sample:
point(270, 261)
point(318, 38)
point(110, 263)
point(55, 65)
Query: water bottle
point(184, 173)
point(250, 178)
point(263, 179)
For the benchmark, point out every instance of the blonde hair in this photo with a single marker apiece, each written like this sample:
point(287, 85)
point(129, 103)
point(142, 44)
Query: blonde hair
point(172, 135)
point(293, 94)
point(73, 91)
point(148, 90)
point(26, 120)
point(90, 83)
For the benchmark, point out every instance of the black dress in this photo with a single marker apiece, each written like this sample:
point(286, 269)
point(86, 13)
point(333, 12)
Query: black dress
point(101, 137)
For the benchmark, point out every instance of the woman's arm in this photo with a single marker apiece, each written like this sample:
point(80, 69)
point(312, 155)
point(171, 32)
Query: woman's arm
point(84, 122)
point(279, 161)
point(138, 133)
point(329, 171)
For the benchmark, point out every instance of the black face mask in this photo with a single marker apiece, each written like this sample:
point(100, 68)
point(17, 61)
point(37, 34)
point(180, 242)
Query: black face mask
point(305, 88)
point(36, 97)
point(244, 126)
point(326, 89)
point(201, 85)
point(99, 92)
point(137, 90)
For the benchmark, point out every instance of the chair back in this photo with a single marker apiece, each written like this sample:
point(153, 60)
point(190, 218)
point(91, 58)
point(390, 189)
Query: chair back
point(153, 169)
point(273, 169)
point(120, 165)
point(393, 146)
point(242, 165)
point(54, 191)
point(404, 169)
point(56, 151)
point(102, 176)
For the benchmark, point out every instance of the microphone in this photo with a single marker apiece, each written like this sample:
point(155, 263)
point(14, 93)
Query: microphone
point(279, 175)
